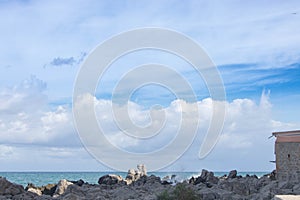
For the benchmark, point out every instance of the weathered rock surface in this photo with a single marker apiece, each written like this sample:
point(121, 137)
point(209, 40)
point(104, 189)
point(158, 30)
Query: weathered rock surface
point(205, 186)
point(61, 187)
point(110, 179)
point(48, 189)
point(8, 188)
point(134, 175)
point(232, 174)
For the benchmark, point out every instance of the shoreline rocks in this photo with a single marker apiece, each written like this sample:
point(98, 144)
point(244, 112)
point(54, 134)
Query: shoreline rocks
point(110, 179)
point(138, 185)
point(48, 189)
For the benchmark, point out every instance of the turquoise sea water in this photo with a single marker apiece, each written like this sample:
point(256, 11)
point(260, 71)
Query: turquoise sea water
point(43, 178)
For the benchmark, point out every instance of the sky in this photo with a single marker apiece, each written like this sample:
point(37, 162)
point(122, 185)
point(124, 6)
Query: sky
point(254, 44)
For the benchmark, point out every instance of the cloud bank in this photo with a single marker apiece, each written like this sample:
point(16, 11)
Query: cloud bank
point(28, 123)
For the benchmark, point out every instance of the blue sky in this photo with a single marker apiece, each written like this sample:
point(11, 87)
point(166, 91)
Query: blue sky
point(254, 44)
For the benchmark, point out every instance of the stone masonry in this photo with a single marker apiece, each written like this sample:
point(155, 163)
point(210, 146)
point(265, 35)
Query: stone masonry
point(287, 150)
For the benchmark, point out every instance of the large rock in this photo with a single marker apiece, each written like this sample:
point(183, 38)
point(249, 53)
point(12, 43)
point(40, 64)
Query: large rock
point(296, 189)
point(242, 186)
point(205, 177)
point(80, 182)
point(201, 178)
point(142, 171)
point(28, 195)
point(148, 180)
point(61, 187)
point(81, 192)
point(8, 188)
point(48, 189)
point(210, 178)
point(216, 193)
point(267, 191)
point(133, 175)
point(110, 179)
point(232, 174)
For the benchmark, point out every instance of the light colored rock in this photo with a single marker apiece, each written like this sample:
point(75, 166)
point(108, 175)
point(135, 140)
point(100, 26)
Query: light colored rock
point(61, 187)
point(131, 172)
point(134, 175)
point(142, 170)
point(35, 190)
point(131, 175)
point(287, 197)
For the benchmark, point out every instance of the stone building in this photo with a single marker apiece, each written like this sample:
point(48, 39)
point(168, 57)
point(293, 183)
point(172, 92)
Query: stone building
point(287, 151)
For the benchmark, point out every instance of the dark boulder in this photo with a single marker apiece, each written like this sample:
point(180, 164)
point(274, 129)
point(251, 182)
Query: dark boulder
point(232, 174)
point(80, 182)
point(8, 188)
point(205, 177)
point(110, 179)
point(49, 189)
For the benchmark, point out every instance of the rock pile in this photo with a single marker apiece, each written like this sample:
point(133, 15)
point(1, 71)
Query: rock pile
point(137, 185)
point(134, 175)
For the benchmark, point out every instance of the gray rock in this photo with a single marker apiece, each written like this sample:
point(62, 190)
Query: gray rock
point(110, 179)
point(205, 177)
point(80, 182)
point(201, 178)
point(49, 189)
point(8, 188)
point(25, 195)
point(210, 178)
point(208, 193)
point(267, 191)
point(152, 179)
point(77, 192)
point(296, 189)
point(215, 193)
point(61, 187)
point(243, 186)
point(232, 174)
point(204, 174)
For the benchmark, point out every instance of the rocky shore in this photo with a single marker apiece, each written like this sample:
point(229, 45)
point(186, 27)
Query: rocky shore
point(139, 185)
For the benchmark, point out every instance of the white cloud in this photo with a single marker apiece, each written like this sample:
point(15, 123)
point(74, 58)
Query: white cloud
point(247, 126)
point(26, 118)
point(6, 152)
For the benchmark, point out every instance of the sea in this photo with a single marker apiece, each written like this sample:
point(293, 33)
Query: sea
point(44, 178)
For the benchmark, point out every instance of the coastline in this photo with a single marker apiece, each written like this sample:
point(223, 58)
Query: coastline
point(137, 185)
point(40, 178)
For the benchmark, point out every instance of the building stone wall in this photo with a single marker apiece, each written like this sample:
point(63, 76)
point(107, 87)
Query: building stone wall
point(288, 161)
